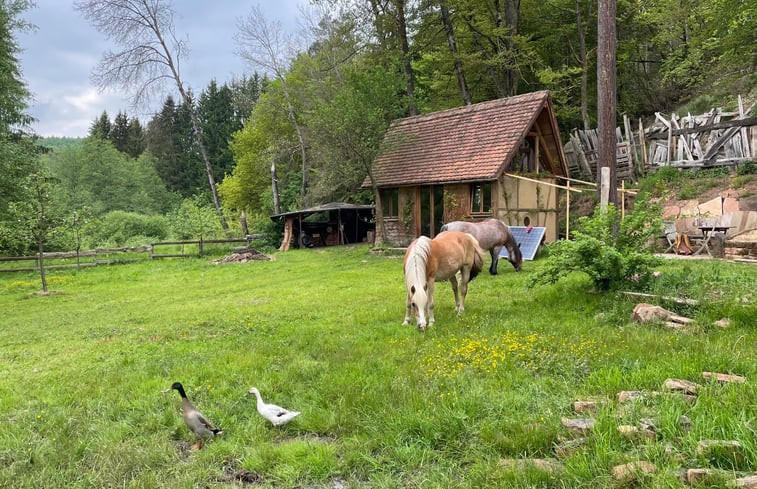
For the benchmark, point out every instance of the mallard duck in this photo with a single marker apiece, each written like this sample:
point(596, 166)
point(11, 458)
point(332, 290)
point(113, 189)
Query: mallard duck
point(196, 422)
point(277, 415)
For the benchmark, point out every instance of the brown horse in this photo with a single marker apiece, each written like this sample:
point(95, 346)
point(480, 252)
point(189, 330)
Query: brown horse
point(492, 234)
point(427, 260)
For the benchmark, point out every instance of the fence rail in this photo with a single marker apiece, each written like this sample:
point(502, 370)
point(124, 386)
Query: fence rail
point(105, 256)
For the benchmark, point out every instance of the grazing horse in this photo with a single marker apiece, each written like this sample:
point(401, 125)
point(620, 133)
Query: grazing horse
point(427, 260)
point(492, 234)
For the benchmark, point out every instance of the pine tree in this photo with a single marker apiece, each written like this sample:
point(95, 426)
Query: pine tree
point(119, 132)
point(100, 127)
point(216, 112)
point(136, 140)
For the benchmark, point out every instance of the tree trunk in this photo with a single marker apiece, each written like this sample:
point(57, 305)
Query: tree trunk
point(447, 22)
point(42, 275)
point(512, 19)
point(275, 187)
point(406, 58)
point(606, 92)
point(195, 126)
point(584, 68)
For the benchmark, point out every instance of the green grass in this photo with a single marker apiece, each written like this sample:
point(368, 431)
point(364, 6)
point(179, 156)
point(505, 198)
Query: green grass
point(383, 405)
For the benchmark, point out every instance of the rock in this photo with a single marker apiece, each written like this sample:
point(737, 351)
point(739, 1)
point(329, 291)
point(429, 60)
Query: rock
point(568, 448)
point(694, 477)
point(679, 385)
point(585, 407)
point(649, 423)
point(635, 433)
point(626, 396)
point(724, 378)
point(731, 449)
point(684, 422)
point(631, 471)
point(579, 426)
point(722, 323)
point(748, 482)
point(543, 464)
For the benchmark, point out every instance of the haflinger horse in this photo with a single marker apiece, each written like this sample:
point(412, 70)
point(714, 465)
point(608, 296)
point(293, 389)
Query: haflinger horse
point(492, 234)
point(441, 258)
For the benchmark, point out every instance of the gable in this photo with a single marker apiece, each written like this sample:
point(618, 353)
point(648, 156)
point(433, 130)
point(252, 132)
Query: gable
point(470, 143)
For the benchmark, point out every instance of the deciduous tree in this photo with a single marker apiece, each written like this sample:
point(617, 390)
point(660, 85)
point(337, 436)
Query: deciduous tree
point(149, 55)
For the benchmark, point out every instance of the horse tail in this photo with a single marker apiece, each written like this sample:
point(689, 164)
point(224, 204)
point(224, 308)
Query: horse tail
point(443, 228)
point(478, 259)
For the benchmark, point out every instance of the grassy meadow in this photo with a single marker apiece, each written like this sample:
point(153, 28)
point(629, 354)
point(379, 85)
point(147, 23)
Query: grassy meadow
point(82, 372)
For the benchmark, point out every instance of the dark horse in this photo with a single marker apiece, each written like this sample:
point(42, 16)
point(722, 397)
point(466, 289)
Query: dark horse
point(492, 234)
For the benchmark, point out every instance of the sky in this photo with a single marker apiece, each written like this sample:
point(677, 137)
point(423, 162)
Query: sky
point(59, 55)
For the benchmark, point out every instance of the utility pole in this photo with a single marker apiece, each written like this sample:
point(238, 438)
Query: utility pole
point(606, 96)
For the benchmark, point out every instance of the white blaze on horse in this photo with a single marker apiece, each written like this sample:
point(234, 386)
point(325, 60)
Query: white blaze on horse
point(441, 258)
point(492, 234)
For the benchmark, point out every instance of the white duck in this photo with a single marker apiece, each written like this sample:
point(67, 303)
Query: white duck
point(277, 415)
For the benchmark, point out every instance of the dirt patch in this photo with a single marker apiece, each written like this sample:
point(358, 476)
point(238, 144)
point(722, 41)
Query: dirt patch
point(243, 256)
point(233, 474)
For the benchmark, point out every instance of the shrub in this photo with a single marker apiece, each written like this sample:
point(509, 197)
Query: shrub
point(613, 252)
point(120, 228)
point(195, 219)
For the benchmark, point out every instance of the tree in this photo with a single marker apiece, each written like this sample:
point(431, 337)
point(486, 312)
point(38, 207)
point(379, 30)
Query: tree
point(100, 127)
point(135, 139)
point(13, 92)
point(450, 31)
point(18, 156)
point(351, 127)
point(119, 132)
point(265, 45)
point(39, 215)
point(144, 28)
point(219, 122)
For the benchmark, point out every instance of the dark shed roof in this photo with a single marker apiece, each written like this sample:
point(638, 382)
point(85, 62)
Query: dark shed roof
point(331, 206)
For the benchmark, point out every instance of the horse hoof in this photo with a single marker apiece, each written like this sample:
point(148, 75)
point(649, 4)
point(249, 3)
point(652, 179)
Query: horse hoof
point(405, 322)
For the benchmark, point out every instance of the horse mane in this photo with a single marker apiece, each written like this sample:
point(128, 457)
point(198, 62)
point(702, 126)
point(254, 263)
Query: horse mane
point(415, 265)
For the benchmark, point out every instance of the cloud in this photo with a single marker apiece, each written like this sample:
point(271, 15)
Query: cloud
point(60, 54)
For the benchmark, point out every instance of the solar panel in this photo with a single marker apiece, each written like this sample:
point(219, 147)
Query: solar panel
point(529, 239)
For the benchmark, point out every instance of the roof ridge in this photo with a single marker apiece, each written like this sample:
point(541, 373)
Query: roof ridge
point(454, 111)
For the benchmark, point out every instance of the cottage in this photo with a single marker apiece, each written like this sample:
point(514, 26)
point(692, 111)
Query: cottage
point(499, 158)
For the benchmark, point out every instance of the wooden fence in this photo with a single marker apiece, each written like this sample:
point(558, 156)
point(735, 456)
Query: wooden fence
point(108, 256)
point(717, 138)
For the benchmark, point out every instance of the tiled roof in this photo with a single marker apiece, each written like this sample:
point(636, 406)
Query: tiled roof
point(470, 143)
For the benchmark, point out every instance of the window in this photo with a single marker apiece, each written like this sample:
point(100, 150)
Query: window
point(481, 198)
point(390, 202)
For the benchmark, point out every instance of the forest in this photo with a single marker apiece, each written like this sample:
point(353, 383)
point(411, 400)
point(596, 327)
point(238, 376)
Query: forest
point(305, 124)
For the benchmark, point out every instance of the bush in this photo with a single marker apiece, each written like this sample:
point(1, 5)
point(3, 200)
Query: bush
point(195, 219)
point(120, 228)
point(611, 251)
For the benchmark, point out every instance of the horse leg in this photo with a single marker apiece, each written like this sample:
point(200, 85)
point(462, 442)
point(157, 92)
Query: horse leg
point(408, 310)
point(495, 259)
point(456, 290)
point(464, 279)
point(430, 303)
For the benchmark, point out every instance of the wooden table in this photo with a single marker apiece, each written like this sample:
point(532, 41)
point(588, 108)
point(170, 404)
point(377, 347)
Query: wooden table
point(708, 231)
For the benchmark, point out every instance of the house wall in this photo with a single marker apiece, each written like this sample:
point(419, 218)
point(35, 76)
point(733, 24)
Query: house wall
point(512, 201)
point(517, 199)
point(400, 230)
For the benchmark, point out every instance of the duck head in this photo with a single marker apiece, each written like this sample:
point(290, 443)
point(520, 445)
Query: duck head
point(253, 391)
point(177, 386)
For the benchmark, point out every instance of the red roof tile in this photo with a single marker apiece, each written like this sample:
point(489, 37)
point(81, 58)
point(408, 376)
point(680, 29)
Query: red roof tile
point(470, 143)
